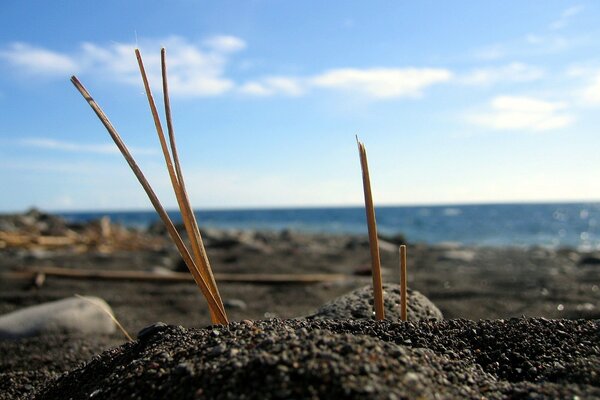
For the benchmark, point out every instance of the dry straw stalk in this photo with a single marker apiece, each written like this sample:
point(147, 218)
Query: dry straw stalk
point(373, 241)
point(176, 176)
point(215, 306)
point(403, 279)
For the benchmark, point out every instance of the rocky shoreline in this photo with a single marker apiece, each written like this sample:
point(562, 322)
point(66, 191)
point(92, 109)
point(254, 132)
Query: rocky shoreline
point(470, 283)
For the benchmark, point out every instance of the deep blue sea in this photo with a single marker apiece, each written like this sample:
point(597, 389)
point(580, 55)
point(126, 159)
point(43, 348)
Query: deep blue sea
point(552, 225)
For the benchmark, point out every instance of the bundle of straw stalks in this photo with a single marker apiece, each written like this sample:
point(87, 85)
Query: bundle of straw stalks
point(197, 262)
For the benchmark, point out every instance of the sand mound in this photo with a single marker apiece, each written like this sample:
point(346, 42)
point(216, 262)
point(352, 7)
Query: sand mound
point(359, 304)
point(347, 359)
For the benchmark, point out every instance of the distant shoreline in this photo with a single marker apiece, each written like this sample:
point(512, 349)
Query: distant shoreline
point(306, 207)
point(550, 225)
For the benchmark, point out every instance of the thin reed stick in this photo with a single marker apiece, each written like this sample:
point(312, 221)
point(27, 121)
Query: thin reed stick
point(373, 241)
point(176, 183)
point(153, 198)
point(107, 312)
point(189, 217)
point(403, 278)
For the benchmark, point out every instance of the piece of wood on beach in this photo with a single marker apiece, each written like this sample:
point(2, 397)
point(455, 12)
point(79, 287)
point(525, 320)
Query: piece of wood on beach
point(198, 278)
point(176, 176)
point(373, 240)
point(403, 282)
point(132, 275)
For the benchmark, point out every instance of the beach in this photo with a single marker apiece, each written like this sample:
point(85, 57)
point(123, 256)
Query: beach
point(464, 282)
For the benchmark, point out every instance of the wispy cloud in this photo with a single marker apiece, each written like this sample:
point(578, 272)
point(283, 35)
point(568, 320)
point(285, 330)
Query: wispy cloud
point(382, 83)
point(58, 145)
point(590, 94)
point(526, 46)
point(199, 69)
point(374, 83)
point(491, 52)
point(513, 72)
point(38, 61)
point(542, 42)
point(225, 43)
point(194, 69)
point(521, 113)
point(565, 17)
point(274, 85)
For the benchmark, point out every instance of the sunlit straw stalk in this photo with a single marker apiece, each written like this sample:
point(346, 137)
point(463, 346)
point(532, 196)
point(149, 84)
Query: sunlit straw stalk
point(373, 241)
point(191, 227)
point(200, 281)
point(195, 236)
point(403, 279)
point(107, 312)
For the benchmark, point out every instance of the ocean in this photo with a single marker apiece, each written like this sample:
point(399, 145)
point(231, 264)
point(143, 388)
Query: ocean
point(574, 225)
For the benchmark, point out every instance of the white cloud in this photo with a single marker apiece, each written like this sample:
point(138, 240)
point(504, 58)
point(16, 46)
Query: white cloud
point(38, 61)
point(590, 95)
point(225, 43)
point(51, 144)
point(382, 83)
point(513, 72)
point(565, 17)
point(199, 69)
point(255, 89)
point(550, 41)
point(491, 53)
point(522, 114)
point(194, 70)
point(274, 85)
point(377, 83)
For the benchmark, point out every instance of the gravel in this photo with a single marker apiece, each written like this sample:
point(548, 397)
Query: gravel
point(515, 358)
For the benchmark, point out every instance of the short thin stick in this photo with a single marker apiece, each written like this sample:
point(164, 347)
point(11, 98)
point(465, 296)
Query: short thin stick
point(373, 241)
point(151, 195)
point(187, 212)
point(176, 183)
point(107, 312)
point(403, 278)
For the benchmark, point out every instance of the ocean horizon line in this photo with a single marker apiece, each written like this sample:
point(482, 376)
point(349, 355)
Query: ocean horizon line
point(174, 208)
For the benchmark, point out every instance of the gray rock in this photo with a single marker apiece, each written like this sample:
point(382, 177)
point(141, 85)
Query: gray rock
point(235, 304)
point(458, 255)
point(150, 330)
point(387, 246)
point(590, 259)
point(160, 270)
point(358, 304)
point(72, 315)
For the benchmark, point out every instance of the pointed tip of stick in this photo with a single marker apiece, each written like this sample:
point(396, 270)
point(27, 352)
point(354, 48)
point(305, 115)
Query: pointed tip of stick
point(361, 146)
point(358, 142)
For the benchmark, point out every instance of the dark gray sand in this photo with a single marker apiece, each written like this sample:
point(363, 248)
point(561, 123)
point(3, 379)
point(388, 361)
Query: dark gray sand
point(463, 282)
point(516, 358)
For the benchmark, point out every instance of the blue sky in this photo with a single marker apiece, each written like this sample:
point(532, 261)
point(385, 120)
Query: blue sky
point(457, 102)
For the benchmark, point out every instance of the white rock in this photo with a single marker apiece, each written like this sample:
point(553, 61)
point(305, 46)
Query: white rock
point(72, 315)
point(388, 246)
point(458, 255)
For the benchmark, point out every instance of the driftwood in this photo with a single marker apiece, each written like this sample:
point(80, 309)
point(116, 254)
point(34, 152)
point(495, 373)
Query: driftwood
point(47, 272)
